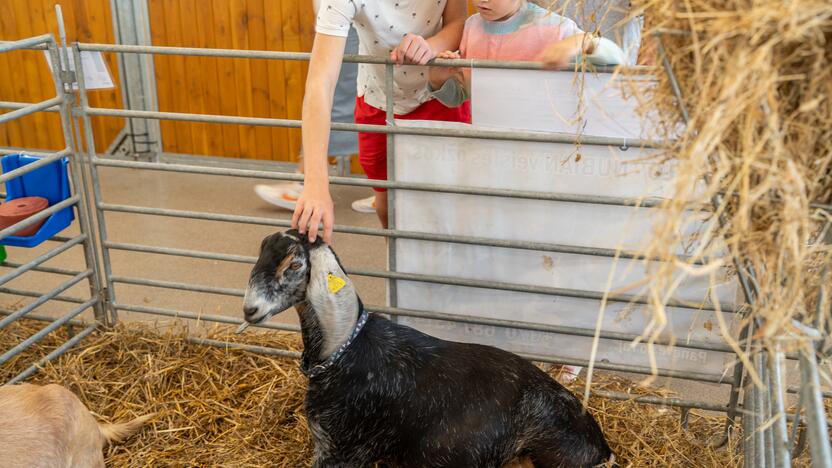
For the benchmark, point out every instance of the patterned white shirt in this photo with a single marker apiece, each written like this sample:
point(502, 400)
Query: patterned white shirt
point(381, 25)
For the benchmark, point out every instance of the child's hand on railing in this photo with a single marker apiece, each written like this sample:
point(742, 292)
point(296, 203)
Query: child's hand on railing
point(413, 50)
point(439, 75)
point(559, 54)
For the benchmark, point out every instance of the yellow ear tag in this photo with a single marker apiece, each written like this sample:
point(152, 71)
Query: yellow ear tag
point(334, 283)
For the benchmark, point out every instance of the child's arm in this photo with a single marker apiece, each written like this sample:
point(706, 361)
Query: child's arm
point(415, 49)
point(315, 203)
point(600, 49)
point(447, 83)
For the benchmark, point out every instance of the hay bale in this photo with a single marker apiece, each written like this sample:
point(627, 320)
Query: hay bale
point(234, 408)
point(755, 80)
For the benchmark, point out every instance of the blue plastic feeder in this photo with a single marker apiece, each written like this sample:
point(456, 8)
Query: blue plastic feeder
point(50, 182)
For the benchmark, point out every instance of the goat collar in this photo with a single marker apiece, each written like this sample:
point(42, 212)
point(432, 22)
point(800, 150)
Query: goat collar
point(311, 371)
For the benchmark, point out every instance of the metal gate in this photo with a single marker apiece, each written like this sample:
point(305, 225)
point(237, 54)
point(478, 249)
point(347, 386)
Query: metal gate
point(763, 410)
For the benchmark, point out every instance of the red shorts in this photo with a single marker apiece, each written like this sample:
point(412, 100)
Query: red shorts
point(372, 147)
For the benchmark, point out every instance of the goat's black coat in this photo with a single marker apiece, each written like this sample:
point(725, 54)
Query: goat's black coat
point(412, 400)
point(417, 401)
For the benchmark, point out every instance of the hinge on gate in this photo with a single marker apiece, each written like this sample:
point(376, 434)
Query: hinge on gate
point(108, 313)
point(69, 77)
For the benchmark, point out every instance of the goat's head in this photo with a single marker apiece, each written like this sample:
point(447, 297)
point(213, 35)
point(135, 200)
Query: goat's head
point(279, 278)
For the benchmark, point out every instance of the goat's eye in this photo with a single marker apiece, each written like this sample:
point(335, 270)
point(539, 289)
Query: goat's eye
point(295, 265)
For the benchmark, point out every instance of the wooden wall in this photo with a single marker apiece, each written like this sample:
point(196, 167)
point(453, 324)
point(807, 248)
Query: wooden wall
point(25, 77)
point(258, 88)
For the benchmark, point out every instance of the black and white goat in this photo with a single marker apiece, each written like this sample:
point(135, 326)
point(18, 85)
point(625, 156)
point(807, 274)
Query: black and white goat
point(379, 391)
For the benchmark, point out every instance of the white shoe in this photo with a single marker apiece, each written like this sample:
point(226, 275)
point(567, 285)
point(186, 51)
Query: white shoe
point(282, 195)
point(365, 205)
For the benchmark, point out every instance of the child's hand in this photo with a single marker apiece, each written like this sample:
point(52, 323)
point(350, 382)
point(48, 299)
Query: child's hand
point(413, 50)
point(560, 53)
point(439, 75)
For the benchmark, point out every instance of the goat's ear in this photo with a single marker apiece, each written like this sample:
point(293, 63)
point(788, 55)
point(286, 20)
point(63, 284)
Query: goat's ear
point(319, 241)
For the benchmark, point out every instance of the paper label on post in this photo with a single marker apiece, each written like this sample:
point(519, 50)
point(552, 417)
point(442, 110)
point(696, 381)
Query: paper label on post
point(96, 73)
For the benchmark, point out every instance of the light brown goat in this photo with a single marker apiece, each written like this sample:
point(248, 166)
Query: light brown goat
point(49, 427)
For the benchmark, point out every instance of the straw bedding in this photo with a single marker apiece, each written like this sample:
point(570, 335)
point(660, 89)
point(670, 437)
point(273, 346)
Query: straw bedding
point(232, 408)
point(754, 77)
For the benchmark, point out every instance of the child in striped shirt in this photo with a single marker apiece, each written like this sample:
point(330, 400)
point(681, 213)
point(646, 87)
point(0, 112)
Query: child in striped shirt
point(517, 30)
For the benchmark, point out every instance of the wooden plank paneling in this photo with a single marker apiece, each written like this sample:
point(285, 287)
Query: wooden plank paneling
point(242, 76)
point(213, 139)
point(240, 87)
point(295, 76)
point(259, 77)
point(86, 20)
point(178, 77)
point(195, 85)
point(276, 77)
point(228, 100)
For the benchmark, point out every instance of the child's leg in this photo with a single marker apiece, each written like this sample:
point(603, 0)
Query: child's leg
point(372, 153)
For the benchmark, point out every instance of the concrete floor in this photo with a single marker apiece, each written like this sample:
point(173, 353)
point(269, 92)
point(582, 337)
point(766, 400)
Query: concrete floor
point(230, 195)
point(214, 194)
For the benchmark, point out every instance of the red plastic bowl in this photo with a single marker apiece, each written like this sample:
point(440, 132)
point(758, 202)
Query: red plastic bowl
point(15, 211)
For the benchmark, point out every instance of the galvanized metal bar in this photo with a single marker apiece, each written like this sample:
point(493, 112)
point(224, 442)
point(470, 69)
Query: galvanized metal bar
point(606, 366)
point(782, 455)
point(759, 416)
point(60, 350)
point(46, 330)
point(42, 269)
point(413, 235)
point(395, 311)
point(750, 448)
point(390, 122)
point(202, 317)
point(41, 259)
point(338, 228)
point(23, 105)
point(48, 159)
point(389, 184)
point(77, 174)
point(361, 182)
point(797, 442)
point(404, 276)
point(180, 252)
point(179, 286)
point(44, 318)
point(660, 401)
point(16, 150)
point(31, 220)
point(768, 431)
point(540, 137)
point(89, 138)
point(686, 375)
point(44, 298)
point(349, 58)
point(25, 293)
point(8, 46)
point(816, 427)
point(244, 347)
point(30, 109)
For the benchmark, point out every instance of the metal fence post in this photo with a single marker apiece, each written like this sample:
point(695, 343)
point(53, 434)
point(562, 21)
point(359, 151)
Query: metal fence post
point(64, 81)
point(140, 139)
point(109, 293)
point(390, 121)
